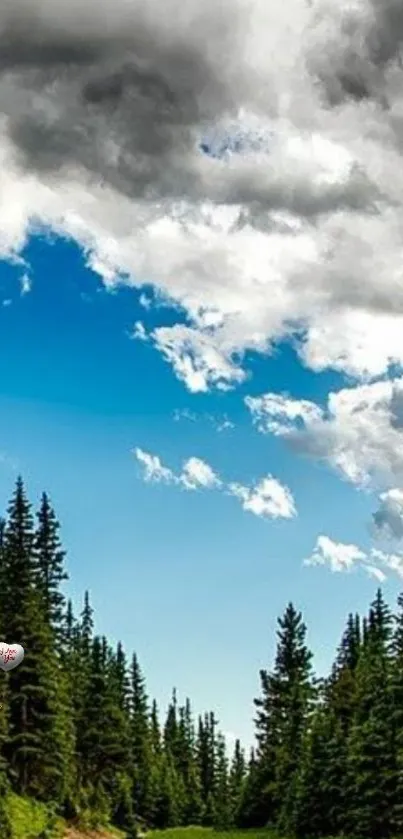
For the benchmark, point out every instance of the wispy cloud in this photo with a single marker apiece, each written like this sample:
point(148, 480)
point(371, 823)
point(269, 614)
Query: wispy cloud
point(222, 423)
point(154, 471)
point(195, 474)
point(25, 283)
point(340, 557)
point(268, 498)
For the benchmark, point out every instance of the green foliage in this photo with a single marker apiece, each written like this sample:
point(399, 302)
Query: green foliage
point(31, 819)
point(80, 737)
point(283, 710)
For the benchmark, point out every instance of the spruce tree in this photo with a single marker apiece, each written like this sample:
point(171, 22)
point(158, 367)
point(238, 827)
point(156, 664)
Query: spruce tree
point(119, 695)
point(206, 760)
point(396, 691)
point(50, 570)
point(237, 778)
point(39, 732)
point(140, 742)
point(222, 791)
point(283, 709)
point(371, 768)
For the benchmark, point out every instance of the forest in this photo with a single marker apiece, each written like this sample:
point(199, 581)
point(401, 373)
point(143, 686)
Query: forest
point(79, 732)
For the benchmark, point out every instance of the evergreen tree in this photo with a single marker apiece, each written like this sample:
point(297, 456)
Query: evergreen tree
point(141, 744)
point(38, 744)
point(206, 760)
point(222, 792)
point(237, 777)
point(371, 755)
point(50, 567)
point(396, 691)
point(187, 766)
point(253, 808)
point(283, 709)
point(123, 815)
point(155, 731)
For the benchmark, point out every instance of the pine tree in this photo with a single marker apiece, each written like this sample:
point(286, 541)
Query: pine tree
point(222, 792)
point(325, 755)
point(319, 784)
point(104, 741)
point(170, 798)
point(122, 791)
point(206, 760)
point(141, 743)
point(283, 709)
point(50, 567)
point(86, 629)
point(371, 754)
point(155, 731)
point(237, 778)
point(39, 733)
point(396, 690)
point(253, 808)
point(187, 766)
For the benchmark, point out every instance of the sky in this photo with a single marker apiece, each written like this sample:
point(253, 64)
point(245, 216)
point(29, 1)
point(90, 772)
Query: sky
point(201, 311)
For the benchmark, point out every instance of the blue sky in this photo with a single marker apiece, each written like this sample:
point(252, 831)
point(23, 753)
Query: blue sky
point(201, 319)
point(189, 579)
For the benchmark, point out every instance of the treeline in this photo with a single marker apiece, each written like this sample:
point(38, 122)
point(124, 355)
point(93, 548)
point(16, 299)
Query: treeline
point(77, 728)
point(79, 732)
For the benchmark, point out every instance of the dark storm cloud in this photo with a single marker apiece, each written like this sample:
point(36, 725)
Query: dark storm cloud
point(367, 42)
point(125, 91)
point(120, 97)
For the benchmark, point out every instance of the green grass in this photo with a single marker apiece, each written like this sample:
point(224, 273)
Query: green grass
point(207, 833)
point(28, 818)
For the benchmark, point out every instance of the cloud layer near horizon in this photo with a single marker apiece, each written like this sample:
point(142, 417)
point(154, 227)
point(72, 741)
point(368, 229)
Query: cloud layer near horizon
point(291, 226)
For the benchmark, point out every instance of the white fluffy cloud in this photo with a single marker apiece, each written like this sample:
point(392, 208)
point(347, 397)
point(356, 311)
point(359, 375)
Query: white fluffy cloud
point(340, 557)
point(197, 474)
point(267, 499)
point(294, 223)
point(359, 432)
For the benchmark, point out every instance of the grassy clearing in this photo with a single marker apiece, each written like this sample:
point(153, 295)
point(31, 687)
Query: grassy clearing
point(207, 833)
point(30, 820)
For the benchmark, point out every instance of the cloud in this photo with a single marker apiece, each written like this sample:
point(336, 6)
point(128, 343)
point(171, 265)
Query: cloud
point(267, 499)
point(262, 198)
point(26, 284)
point(388, 519)
point(340, 557)
point(219, 423)
point(154, 471)
point(197, 474)
point(359, 432)
point(277, 414)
